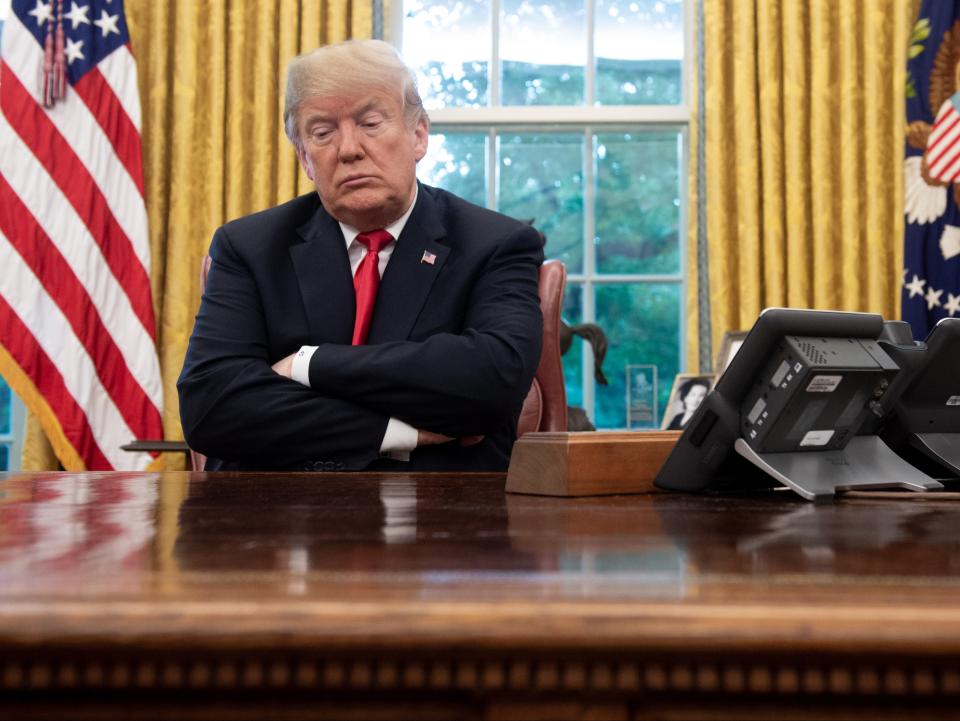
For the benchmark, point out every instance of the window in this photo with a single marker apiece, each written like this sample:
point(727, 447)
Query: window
point(572, 113)
point(11, 428)
point(6, 426)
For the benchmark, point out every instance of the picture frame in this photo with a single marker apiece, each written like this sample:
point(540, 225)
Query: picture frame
point(675, 418)
point(729, 345)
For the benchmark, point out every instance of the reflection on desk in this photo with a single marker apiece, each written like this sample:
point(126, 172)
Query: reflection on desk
point(439, 596)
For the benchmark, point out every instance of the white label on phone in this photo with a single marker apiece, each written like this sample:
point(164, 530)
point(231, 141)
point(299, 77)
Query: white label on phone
point(816, 438)
point(823, 384)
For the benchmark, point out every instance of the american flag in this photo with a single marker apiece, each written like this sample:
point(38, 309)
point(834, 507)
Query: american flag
point(77, 331)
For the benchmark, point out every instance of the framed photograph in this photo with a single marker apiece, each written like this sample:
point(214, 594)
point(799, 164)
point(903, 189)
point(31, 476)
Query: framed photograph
point(687, 394)
point(641, 396)
point(729, 345)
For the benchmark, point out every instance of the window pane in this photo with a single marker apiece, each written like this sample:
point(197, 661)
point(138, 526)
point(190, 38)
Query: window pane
point(5, 410)
point(642, 323)
point(448, 43)
point(541, 178)
point(543, 46)
point(638, 202)
point(457, 162)
point(572, 314)
point(4, 457)
point(639, 52)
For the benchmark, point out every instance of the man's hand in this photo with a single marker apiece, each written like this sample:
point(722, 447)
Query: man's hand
point(427, 438)
point(284, 367)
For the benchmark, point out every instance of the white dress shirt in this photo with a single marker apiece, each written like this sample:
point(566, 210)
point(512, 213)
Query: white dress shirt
point(400, 438)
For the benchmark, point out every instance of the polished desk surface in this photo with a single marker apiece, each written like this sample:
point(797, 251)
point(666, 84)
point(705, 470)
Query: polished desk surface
point(447, 585)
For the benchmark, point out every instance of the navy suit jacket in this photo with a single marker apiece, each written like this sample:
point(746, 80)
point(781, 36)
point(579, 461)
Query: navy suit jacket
point(452, 348)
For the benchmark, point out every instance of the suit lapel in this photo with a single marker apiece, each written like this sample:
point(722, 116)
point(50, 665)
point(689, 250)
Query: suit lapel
point(323, 273)
point(410, 275)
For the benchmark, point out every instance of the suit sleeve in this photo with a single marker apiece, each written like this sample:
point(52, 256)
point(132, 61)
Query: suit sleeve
point(233, 405)
point(467, 383)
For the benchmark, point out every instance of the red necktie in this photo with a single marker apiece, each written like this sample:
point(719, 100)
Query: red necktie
point(366, 281)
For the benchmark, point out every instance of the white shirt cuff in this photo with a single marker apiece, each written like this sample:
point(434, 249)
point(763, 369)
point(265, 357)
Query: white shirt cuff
point(300, 372)
point(399, 439)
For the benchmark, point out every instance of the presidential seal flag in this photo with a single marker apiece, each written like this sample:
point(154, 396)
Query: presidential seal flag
point(931, 275)
point(77, 331)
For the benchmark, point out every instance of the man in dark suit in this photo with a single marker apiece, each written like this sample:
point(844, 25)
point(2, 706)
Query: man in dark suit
point(375, 324)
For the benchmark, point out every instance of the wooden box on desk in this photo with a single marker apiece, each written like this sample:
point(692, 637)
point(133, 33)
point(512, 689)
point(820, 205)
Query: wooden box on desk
point(588, 463)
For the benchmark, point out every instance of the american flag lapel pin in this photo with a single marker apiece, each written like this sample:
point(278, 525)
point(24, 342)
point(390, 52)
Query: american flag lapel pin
point(428, 258)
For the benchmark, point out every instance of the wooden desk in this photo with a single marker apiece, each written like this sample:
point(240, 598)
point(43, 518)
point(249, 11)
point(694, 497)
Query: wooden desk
point(247, 596)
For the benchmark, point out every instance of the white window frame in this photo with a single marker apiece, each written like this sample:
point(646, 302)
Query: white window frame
point(591, 120)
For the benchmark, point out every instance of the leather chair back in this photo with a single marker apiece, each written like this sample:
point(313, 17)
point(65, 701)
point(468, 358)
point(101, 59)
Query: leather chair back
point(545, 407)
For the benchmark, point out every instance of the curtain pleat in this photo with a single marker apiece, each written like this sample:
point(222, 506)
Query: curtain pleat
point(804, 107)
point(211, 87)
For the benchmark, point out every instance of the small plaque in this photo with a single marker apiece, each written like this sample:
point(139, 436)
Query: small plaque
point(642, 396)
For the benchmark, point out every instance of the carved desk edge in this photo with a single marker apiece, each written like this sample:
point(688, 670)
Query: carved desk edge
point(611, 648)
point(785, 675)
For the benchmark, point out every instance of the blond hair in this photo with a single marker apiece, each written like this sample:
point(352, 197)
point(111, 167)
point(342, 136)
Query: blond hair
point(342, 69)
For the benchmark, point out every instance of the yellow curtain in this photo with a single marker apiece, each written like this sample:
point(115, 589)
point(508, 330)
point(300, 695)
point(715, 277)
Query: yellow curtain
point(804, 113)
point(211, 86)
